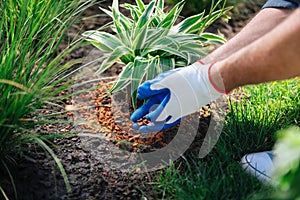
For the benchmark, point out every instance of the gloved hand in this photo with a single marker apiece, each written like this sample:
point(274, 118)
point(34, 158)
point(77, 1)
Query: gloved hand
point(174, 94)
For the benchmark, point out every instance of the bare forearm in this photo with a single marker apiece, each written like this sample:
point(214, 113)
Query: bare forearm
point(262, 23)
point(275, 56)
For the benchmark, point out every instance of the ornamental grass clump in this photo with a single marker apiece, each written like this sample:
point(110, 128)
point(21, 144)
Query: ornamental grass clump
point(151, 41)
point(31, 74)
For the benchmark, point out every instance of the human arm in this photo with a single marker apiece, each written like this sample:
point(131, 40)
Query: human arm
point(262, 23)
point(275, 56)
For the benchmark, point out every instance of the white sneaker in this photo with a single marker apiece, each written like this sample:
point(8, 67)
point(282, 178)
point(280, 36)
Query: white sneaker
point(259, 164)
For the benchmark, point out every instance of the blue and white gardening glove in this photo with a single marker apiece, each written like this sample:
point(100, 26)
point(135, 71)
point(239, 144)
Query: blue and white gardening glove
point(174, 94)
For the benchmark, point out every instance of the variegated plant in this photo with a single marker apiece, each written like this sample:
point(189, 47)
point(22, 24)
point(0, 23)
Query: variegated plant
point(150, 42)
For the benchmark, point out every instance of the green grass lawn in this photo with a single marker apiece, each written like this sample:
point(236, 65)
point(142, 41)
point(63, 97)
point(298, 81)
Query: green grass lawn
point(250, 126)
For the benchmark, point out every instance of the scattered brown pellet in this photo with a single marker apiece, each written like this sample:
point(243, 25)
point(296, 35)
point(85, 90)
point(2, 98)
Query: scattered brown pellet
point(105, 174)
point(63, 130)
point(111, 180)
point(146, 121)
point(135, 144)
point(69, 113)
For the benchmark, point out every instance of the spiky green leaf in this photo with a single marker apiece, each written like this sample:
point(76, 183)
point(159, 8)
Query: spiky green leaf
point(121, 31)
point(166, 64)
point(213, 38)
point(134, 10)
point(195, 48)
point(163, 41)
point(153, 37)
point(140, 39)
point(151, 69)
point(186, 25)
point(209, 19)
point(114, 57)
point(123, 78)
point(138, 73)
point(157, 17)
point(102, 40)
point(145, 17)
point(141, 5)
point(160, 4)
point(115, 5)
point(171, 17)
point(169, 51)
point(109, 13)
point(182, 39)
point(125, 21)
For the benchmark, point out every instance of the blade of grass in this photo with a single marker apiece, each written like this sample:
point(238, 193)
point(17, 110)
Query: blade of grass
point(15, 84)
point(3, 193)
point(58, 162)
point(11, 178)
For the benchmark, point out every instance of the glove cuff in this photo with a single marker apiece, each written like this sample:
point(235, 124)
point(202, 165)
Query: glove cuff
point(213, 84)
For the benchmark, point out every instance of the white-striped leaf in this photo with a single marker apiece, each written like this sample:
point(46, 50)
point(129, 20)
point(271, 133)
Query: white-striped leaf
point(138, 73)
point(134, 10)
point(141, 5)
point(114, 57)
point(123, 78)
point(186, 25)
point(160, 4)
point(123, 19)
point(166, 64)
point(151, 69)
point(195, 48)
point(153, 38)
point(213, 38)
point(161, 41)
point(209, 19)
point(171, 17)
point(145, 17)
point(102, 40)
point(170, 51)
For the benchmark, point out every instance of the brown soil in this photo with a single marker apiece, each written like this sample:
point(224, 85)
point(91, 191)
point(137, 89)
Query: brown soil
point(36, 174)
